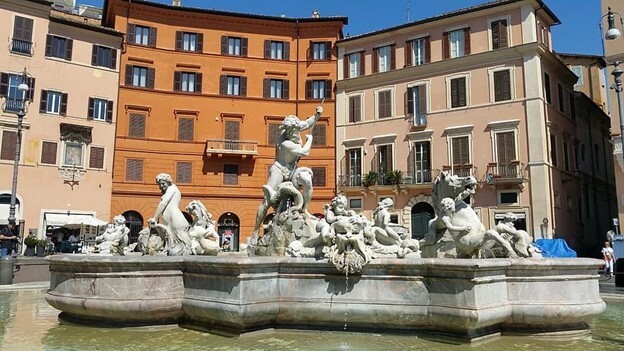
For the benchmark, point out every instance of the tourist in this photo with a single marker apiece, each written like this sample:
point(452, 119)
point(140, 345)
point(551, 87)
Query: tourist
point(7, 240)
point(608, 255)
point(74, 240)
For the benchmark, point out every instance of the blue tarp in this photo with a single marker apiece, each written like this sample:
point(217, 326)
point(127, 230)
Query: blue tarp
point(554, 248)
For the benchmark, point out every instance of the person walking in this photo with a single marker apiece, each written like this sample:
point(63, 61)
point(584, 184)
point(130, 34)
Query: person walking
point(7, 240)
point(608, 255)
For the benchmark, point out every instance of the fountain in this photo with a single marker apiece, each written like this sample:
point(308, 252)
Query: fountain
point(309, 273)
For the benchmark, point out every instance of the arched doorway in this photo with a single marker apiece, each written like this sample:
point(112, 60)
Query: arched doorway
point(422, 213)
point(134, 222)
point(228, 229)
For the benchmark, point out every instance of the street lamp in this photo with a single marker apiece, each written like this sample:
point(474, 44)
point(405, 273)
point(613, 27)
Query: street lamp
point(21, 112)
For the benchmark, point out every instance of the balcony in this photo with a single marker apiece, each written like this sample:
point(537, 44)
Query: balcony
point(11, 105)
point(391, 179)
point(418, 177)
point(419, 120)
point(504, 174)
point(21, 47)
point(465, 170)
point(350, 180)
point(221, 147)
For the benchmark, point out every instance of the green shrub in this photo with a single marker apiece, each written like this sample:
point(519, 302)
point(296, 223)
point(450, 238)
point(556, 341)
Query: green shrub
point(31, 241)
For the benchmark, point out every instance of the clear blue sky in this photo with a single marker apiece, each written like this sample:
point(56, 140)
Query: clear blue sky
point(577, 33)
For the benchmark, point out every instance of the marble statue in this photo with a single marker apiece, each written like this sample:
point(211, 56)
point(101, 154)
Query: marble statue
point(384, 233)
point(114, 240)
point(520, 240)
point(204, 237)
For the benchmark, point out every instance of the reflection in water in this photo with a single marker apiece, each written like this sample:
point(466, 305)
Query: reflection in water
point(27, 323)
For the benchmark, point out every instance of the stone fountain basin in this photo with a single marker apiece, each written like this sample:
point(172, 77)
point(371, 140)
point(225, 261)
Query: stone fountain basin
point(466, 298)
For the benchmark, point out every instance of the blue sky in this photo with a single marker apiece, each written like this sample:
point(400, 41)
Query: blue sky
point(577, 33)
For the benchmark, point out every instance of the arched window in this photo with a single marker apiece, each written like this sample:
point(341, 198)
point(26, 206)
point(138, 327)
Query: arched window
point(134, 222)
point(228, 228)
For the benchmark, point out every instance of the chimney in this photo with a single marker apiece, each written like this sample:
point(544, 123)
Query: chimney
point(177, 3)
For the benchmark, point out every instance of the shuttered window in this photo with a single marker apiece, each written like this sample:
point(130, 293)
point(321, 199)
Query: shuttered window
point(59, 47)
point(384, 158)
point(184, 172)
point(384, 104)
point(319, 134)
point(460, 151)
point(502, 85)
point(458, 92)
point(274, 133)
point(22, 35)
point(499, 34)
point(137, 125)
point(230, 174)
point(505, 148)
point(104, 57)
point(560, 97)
point(96, 157)
point(9, 142)
point(186, 41)
point(186, 129)
point(547, 92)
point(234, 46)
point(355, 109)
point(232, 135)
point(134, 170)
point(417, 99)
point(48, 152)
point(318, 178)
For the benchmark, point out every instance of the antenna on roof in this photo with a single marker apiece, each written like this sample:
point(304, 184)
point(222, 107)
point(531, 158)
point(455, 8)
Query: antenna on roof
point(408, 11)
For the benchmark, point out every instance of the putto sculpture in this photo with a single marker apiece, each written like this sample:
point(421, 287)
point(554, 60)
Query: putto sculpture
point(114, 240)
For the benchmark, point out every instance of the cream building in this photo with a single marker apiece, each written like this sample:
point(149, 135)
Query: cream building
point(69, 128)
point(477, 92)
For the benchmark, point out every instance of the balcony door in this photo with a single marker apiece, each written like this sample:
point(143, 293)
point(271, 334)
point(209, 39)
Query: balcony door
point(354, 166)
point(422, 162)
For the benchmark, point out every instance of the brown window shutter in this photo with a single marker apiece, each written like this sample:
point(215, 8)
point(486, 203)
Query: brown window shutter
point(94, 55)
point(48, 47)
point(362, 64)
point(232, 130)
point(31, 89)
point(456, 157)
point(244, 42)
point(467, 41)
point(329, 87)
point(22, 28)
point(328, 50)
point(177, 81)
point(151, 77)
point(505, 148)
point(274, 131)
point(286, 89)
point(347, 72)
point(134, 170)
point(153, 33)
point(224, 45)
point(43, 105)
point(184, 171)
point(4, 84)
point(48, 152)
point(113, 62)
point(198, 82)
point(357, 108)
point(319, 134)
point(408, 53)
point(131, 33)
point(375, 60)
point(63, 107)
point(179, 38)
point(286, 51)
point(186, 129)
point(504, 41)
point(410, 100)
point(502, 88)
point(266, 88)
point(393, 56)
point(199, 46)
point(243, 86)
point(96, 158)
point(90, 109)
point(109, 111)
point(318, 176)
point(422, 99)
point(495, 28)
point(308, 89)
point(223, 85)
point(136, 128)
point(446, 47)
point(129, 73)
point(427, 49)
point(462, 92)
point(267, 49)
point(9, 142)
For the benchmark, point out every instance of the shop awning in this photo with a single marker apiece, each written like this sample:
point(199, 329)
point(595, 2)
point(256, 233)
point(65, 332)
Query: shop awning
point(56, 219)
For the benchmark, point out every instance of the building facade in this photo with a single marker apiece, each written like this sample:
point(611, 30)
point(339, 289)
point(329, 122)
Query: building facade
point(201, 97)
point(68, 131)
point(474, 92)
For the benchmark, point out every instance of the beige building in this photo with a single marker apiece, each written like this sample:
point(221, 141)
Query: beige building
point(614, 51)
point(474, 92)
point(69, 128)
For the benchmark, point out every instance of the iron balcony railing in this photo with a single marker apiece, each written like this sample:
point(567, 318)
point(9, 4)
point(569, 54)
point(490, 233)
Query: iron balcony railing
point(388, 178)
point(418, 177)
point(21, 47)
point(510, 171)
point(350, 180)
point(230, 146)
point(465, 170)
point(11, 105)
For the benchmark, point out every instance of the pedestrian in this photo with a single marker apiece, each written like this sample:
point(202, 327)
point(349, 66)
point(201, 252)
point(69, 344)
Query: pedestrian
point(7, 240)
point(608, 255)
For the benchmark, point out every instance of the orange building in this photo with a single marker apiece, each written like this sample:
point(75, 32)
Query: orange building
point(201, 96)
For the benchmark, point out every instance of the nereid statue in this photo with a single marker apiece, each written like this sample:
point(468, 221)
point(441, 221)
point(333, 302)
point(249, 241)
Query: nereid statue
point(114, 240)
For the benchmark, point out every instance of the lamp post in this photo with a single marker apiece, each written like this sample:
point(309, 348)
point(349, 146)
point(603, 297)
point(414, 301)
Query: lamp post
point(21, 112)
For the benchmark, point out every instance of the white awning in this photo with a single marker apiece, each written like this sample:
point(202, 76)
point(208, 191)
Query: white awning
point(55, 219)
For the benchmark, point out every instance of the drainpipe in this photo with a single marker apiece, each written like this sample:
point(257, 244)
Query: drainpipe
point(297, 74)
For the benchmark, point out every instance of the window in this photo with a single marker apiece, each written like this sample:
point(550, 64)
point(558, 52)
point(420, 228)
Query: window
point(319, 134)
point(136, 128)
point(139, 76)
point(417, 102)
point(354, 65)
point(456, 43)
point(318, 176)
point(547, 92)
point(234, 85)
point(553, 149)
point(235, 46)
point(560, 97)
point(355, 203)
point(505, 153)
point(566, 156)
point(22, 35)
point(421, 153)
point(231, 135)
point(9, 143)
point(385, 159)
point(274, 132)
point(578, 70)
point(458, 92)
point(184, 171)
point(186, 129)
point(141, 35)
point(276, 50)
point(321, 50)
point(418, 51)
point(103, 56)
point(499, 34)
point(230, 174)
point(186, 41)
point(318, 89)
point(53, 102)
point(48, 152)
point(508, 198)
point(384, 104)
point(134, 170)
point(59, 47)
point(355, 108)
point(275, 89)
point(9, 84)
point(187, 81)
point(354, 167)
point(96, 157)
point(572, 107)
point(502, 85)
point(460, 151)
point(100, 110)
point(383, 59)
point(73, 155)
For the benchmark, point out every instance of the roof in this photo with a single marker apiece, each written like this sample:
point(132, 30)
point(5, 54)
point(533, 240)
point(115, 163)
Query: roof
point(597, 58)
point(344, 20)
point(82, 22)
point(450, 14)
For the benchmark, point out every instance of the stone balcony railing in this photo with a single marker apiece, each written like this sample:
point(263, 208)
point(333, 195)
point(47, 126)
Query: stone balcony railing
point(231, 147)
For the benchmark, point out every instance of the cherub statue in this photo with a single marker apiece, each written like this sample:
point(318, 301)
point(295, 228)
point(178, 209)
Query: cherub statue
point(204, 237)
point(114, 239)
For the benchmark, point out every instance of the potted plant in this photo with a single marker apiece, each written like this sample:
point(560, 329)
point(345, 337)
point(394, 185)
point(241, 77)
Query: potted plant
point(30, 243)
point(41, 247)
point(370, 179)
point(394, 177)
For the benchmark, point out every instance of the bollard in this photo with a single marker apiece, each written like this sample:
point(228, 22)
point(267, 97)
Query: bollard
point(6, 270)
